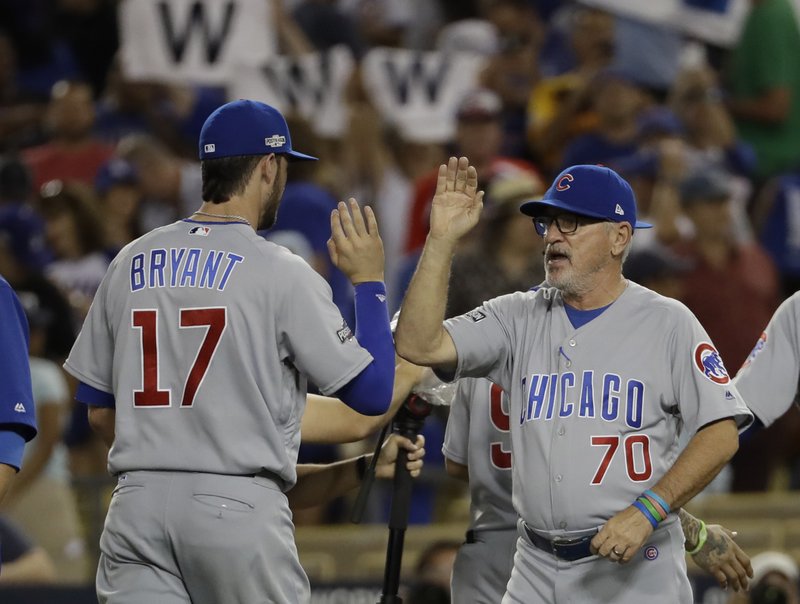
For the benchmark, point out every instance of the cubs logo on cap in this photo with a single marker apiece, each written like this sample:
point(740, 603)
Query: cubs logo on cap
point(246, 127)
point(594, 191)
point(709, 363)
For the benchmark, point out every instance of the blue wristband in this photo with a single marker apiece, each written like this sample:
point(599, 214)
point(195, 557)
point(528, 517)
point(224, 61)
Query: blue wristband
point(652, 495)
point(643, 509)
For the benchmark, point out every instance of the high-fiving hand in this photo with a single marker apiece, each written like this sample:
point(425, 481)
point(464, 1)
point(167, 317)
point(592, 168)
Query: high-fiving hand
point(457, 203)
point(355, 245)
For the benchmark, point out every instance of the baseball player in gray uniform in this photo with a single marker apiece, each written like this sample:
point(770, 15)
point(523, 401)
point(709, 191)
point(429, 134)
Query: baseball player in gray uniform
point(768, 380)
point(194, 360)
point(477, 448)
point(601, 374)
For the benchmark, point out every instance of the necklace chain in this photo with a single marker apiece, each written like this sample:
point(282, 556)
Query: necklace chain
point(233, 216)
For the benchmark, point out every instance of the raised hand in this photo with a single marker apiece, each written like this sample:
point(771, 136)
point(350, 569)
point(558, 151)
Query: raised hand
point(457, 203)
point(355, 245)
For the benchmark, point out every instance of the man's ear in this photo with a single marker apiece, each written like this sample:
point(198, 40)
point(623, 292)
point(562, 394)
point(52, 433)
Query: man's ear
point(621, 237)
point(268, 167)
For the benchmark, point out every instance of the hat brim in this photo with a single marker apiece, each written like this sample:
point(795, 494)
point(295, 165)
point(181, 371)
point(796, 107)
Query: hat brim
point(533, 208)
point(297, 156)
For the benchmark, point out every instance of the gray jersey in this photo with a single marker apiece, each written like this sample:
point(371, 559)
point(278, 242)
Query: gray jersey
point(206, 334)
point(478, 436)
point(768, 380)
point(595, 411)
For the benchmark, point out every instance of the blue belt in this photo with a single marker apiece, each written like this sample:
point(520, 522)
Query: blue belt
point(564, 549)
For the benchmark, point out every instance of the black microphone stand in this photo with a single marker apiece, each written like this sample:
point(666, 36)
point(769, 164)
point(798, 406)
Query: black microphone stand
point(408, 422)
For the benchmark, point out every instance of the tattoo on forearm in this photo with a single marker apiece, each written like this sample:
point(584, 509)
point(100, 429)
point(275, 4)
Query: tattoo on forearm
point(691, 528)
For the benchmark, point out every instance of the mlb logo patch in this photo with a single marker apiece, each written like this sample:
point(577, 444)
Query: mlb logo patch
point(276, 140)
point(202, 231)
point(709, 363)
point(209, 148)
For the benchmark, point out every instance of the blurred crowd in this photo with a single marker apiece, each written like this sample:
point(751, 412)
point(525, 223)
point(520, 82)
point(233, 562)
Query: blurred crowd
point(709, 138)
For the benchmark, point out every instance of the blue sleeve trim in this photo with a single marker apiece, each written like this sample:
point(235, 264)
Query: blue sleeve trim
point(88, 395)
point(12, 447)
point(753, 429)
point(370, 392)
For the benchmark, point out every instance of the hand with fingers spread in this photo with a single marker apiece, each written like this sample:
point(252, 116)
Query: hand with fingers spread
point(355, 245)
point(457, 203)
point(622, 536)
point(722, 557)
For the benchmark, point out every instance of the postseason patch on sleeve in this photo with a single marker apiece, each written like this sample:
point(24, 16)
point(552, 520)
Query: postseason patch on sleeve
point(762, 341)
point(345, 333)
point(709, 363)
point(476, 315)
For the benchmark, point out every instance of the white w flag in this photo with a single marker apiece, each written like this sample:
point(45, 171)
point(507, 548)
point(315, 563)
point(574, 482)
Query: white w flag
point(418, 92)
point(198, 41)
point(312, 85)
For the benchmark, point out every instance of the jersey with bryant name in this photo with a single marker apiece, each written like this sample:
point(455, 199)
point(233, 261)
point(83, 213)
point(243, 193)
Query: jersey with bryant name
point(477, 436)
point(206, 334)
point(595, 411)
point(768, 380)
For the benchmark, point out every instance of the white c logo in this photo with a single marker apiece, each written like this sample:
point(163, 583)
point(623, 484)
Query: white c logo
point(560, 186)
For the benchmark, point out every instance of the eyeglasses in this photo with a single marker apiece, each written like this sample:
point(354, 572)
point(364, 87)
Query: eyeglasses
point(566, 224)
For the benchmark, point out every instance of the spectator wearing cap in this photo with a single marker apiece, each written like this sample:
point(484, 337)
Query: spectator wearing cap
point(72, 153)
point(775, 580)
point(504, 257)
point(617, 101)
point(733, 290)
point(479, 136)
point(117, 189)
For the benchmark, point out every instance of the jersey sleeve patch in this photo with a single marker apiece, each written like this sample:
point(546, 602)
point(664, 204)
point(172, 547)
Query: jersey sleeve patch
point(760, 344)
point(476, 315)
point(709, 363)
point(345, 333)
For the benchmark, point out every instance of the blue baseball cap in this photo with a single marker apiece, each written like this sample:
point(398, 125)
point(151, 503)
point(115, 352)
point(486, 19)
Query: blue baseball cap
point(246, 128)
point(116, 171)
point(594, 191)
point(22, 231)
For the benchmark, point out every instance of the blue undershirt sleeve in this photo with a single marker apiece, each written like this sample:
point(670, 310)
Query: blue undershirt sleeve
point(370, 392)
point(12, 447)
point(89, 395)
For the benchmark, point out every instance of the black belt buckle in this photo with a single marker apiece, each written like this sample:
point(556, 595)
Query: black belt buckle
point(563, 549)
point(572, 549)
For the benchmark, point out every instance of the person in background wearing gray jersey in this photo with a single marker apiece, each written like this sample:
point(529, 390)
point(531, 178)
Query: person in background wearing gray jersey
point(194, 361)
point(477, 449)
point(768, 380)
point(601, 375)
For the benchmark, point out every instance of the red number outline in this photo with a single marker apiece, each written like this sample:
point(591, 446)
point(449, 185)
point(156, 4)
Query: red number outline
point(612, 442)
point(500, 458)
point(146, 320)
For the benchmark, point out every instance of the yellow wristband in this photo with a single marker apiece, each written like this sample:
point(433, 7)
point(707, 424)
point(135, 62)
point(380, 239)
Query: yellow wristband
point(701, 539)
